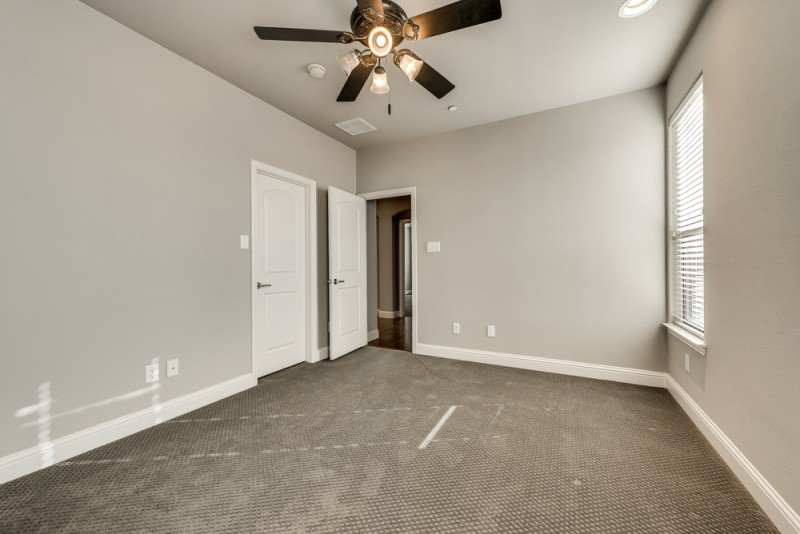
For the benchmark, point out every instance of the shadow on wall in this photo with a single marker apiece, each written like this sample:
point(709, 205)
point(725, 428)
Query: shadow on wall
point(43, 416)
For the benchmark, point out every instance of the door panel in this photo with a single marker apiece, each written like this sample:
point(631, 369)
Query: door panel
point(347, 271)
point(279, 249)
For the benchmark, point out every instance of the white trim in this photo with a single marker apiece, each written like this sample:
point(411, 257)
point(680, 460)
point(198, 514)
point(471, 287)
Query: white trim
point(548, 365)
point(312, 311)
point(30, 460)
point(389, 314)
point(670, 226)
point(695, 342)
point(785, 518)
point(373, 335)
point(412, 192)
point(320, 354)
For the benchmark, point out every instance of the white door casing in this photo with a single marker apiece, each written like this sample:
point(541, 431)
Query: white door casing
point(415, 291)
point(283, 269)
point(347, 272)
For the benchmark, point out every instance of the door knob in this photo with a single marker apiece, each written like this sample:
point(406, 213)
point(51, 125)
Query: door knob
point(259, 285)
point(335, 281)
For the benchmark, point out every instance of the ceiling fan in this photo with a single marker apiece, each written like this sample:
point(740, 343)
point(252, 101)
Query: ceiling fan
point(381, 25)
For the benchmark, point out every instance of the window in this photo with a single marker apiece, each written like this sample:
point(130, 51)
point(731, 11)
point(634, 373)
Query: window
point(686, 214)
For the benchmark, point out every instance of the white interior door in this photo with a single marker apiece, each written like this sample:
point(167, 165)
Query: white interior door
point(347, 272)
point(279, 274)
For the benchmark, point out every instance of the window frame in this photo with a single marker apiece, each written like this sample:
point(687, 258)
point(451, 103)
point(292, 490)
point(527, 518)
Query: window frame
point(695, 339)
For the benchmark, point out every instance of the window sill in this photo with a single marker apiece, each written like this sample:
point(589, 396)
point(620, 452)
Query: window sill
point(697, 343)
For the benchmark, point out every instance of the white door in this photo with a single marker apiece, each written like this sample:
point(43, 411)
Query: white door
point(279, 274)
point(347, 272)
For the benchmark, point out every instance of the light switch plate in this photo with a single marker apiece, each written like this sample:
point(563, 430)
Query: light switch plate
point(456, 328)
point(244, 242)
point(434, 246)
point(490, 331)
point(172, 368)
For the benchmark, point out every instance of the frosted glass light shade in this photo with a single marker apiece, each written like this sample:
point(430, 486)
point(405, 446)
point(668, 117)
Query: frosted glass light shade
point(348, 60)
point(380, 85)
point(409, 64)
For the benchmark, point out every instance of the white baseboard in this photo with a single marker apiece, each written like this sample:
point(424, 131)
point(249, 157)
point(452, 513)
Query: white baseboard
point(548, 365)
point(785, 518)
point(389, 314)
point(373, 335)
point(58, 450)
point(321, 354)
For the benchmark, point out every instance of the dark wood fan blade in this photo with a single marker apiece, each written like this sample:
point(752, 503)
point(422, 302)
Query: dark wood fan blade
point(352, 87)
point(297, 34)
point(377, 8)
point(430, 79)
point(456, 16)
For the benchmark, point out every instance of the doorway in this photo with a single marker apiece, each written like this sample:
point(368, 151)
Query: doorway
point(391, 267)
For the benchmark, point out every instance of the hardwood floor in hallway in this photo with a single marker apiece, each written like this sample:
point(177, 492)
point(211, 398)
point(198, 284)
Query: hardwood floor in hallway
point(394, 334)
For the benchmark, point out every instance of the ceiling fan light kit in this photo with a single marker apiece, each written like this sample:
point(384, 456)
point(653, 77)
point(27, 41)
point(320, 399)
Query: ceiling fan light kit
point(409, 63)
point(381, 25)
point(349, 60)
point(380, 84)
point(380, 41)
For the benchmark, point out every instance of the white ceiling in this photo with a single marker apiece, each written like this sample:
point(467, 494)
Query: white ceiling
point(541, 55)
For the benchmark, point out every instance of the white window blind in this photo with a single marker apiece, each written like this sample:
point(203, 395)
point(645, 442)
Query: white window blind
point(687, 269)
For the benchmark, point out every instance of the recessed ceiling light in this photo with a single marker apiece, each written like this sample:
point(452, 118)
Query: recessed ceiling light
point(452, 108)
point(634, 8)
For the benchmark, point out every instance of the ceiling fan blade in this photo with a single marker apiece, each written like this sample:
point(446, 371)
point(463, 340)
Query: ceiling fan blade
point(352, 87)
point(430, 79)
point(456, 16)
point(297, 34)
point(376, 15)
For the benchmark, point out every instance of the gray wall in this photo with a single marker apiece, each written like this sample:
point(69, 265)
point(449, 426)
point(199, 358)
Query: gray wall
point(124, 187)
point(552, 229)
point(748, 380)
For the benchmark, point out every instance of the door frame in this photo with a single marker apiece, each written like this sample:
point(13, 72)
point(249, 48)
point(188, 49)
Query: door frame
point(404, 192)
point(312, 335)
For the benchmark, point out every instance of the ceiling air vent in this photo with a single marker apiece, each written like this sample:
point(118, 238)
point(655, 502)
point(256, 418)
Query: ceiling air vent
point(356, 126)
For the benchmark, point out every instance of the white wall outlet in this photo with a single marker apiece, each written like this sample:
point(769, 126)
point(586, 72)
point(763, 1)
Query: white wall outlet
point(490, 331)
point(151, 373)
point(456, 328)
point(244, 242)
point(172, 368)
point(686, 362)
point(434, 246)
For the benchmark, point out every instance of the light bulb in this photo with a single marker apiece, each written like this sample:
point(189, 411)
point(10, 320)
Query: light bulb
point(408, 63)
point(349, 60)
point(380, 85)
point(379, 41)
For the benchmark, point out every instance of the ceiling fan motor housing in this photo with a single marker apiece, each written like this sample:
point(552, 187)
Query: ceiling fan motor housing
point(394, 19)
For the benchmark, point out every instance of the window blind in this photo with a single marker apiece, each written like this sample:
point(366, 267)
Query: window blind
point(687, 269)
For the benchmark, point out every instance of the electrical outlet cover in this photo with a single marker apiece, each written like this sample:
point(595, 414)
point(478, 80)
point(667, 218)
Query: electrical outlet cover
point(151, 373)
